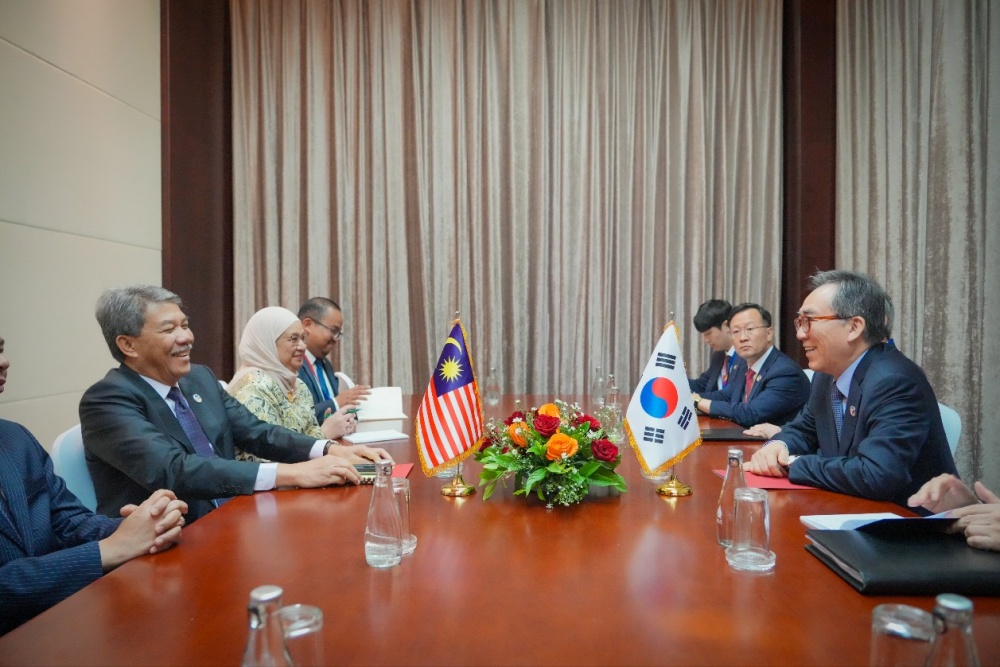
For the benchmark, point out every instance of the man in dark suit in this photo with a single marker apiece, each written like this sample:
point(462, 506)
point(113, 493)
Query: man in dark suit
point(51, 546)
point(160, 421)
point(711, 321)
point(323, 323)
point(767, 386)
point(872, 427)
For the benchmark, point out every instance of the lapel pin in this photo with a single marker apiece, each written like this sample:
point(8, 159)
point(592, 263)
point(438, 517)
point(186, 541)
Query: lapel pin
point(197, 399)
point(854, 411)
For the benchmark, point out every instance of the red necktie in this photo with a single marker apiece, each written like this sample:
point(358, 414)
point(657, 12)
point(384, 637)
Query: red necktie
point(749, 385)
point(725, 370)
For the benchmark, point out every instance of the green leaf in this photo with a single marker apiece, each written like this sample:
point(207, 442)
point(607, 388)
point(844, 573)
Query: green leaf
point(535, 477)
point(588, 468)
point(488, 491)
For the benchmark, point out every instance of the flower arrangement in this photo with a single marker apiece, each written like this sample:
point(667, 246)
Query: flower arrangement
point(555, 451)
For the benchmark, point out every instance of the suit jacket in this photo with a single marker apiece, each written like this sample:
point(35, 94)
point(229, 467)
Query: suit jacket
point(778, 393)
point(48, 540)
point(320, 404)
point(135, 444)
point(892, 440)
point(709, 380)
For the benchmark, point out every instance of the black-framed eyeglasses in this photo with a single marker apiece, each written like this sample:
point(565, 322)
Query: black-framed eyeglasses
point(336, 333)
point(804, 322)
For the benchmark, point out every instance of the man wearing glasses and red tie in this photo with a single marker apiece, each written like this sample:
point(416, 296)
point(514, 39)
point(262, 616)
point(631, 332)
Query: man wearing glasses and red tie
point(767, 385)
point(872, 427)
point(323, 324)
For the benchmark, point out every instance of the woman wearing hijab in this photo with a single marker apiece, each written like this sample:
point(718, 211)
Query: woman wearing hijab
point(271, 351)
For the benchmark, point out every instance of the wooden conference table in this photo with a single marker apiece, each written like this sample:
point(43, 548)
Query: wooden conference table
point(626, 579)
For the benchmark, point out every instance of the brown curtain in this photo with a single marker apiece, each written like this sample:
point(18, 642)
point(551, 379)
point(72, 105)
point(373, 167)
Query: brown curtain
point(919, 191)
point(563, 174)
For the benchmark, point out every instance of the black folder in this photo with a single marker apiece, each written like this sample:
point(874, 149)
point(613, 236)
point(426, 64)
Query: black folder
point(907, 557)
point(715, 434)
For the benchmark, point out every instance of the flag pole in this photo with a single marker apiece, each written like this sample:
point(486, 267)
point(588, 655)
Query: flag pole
point(673, 487)
point(457, 487)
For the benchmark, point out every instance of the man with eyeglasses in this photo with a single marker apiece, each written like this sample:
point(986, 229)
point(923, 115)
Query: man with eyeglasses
point(871, 427)
point(323, 323)
point(160, 421)
point(767, 386)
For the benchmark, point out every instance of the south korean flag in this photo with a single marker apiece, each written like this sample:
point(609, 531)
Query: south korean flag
point(660, 422)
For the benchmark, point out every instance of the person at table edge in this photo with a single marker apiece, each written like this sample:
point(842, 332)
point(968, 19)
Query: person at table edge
point(777, 388)
point(51, 546)
point(160, 421)
point(890, 440)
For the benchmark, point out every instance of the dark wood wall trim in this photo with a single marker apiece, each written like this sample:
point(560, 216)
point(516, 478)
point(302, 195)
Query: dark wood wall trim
point(196, 99)
point(810, 151)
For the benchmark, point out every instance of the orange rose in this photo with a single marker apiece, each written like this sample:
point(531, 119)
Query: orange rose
point(550, 409)
point(516, 433)
point(560, 445)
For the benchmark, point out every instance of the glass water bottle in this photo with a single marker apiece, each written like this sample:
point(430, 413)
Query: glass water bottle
point(266, 644)
point(597, 389)
point(953, 645)
point(725, 515)
point(491, 390)
point(383, 532)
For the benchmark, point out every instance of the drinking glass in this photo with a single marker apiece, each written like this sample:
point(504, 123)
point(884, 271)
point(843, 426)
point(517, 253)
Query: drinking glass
point(751, 550)
point(302, 626)
point(401, 489)
point(901, 635)
point(613, 407)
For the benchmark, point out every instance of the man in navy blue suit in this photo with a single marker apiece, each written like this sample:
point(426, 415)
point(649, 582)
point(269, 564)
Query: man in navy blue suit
point(51, 545)
point(711, 321)
point(872, 427)
point(323, 323)
point(767, 386)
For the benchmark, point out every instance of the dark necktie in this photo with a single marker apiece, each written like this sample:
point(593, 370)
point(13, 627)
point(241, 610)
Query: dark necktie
point(726, 369)
point(192, 428)
point(749, 385)
point(321, 370)
point(837, 402)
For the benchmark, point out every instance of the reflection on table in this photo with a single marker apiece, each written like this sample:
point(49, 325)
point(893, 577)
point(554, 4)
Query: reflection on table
point(620, 579)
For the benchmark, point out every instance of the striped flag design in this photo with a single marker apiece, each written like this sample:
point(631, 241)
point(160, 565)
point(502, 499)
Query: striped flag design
point(449, 421)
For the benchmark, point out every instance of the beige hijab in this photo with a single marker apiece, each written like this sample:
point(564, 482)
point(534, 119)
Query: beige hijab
point(259, 346)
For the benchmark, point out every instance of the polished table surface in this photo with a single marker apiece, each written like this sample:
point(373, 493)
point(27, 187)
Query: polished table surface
point(620, 579)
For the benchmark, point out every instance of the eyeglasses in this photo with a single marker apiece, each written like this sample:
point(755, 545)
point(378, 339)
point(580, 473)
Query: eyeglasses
point(336, 333)
point(804, 322)
point(736, 333)
point(295, 339)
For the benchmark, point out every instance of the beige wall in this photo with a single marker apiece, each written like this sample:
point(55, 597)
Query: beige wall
point(79, 190)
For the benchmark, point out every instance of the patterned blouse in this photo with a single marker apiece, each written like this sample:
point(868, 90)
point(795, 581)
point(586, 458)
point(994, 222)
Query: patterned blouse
point(267, 400)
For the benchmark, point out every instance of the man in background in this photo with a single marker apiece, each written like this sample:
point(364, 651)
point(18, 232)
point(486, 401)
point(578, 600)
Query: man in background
point(711, 321)
point(768, 386)
point(51, 546)
point(323, 323)
point(872, 427)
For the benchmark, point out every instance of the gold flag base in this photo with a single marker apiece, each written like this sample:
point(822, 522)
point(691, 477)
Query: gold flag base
point(673, 487)
point(457, 488)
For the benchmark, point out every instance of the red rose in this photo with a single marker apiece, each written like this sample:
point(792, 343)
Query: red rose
point(604, 450)
point(594, 424)
point(546, 425)
point(514, 416)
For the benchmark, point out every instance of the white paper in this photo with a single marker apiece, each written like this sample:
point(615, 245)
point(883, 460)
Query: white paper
point(374, 436)
point(844, 521)
point(382, 403)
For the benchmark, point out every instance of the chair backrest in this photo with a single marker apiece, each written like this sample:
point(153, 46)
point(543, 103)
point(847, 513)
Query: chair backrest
point(70, 463)
point(952, 426)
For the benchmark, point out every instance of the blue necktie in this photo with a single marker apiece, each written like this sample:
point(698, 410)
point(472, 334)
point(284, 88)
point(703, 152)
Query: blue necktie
point(837, 401)
point(193, 430)
point(190, 424)
point(320, 372)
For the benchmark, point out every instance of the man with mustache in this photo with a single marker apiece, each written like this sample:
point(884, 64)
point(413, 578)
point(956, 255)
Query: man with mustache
point(160, 421)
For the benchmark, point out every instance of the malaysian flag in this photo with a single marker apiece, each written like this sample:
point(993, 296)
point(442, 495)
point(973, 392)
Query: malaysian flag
point(660, 421)
point(449, 421)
